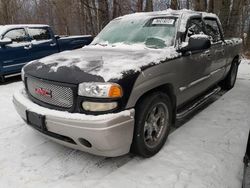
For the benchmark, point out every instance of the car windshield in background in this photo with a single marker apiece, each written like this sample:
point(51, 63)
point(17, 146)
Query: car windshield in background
point(154, 33)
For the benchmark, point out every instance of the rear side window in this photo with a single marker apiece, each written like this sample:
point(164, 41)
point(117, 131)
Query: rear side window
point(16, 35)
point(212, 29)
point(39, 33)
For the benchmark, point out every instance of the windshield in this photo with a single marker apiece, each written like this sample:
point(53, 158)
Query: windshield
point(154, 33)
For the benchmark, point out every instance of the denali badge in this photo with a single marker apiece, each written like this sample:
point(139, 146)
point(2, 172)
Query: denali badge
point(43, 92)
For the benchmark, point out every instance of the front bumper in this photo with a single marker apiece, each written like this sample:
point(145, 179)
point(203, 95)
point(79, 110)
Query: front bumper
point(109, 135)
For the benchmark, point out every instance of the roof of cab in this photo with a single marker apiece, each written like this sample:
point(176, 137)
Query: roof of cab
point(168, 12)
point(184, 14)
point(4, 28)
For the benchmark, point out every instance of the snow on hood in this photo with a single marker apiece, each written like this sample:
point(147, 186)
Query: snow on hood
point(109, 62)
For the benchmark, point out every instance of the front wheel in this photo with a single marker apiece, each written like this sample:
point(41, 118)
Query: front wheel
point(152, 124)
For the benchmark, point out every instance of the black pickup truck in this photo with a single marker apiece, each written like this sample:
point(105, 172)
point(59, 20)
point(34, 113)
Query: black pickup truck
point(20, 44)
point(124, 91)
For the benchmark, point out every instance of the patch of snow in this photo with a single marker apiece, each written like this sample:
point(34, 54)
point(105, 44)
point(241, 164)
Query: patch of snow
point(113, 60)
point(74, 36)
point(244, 70)
point(205, 152)
point(210, 15)
point(200, 36)
point(4, 28)
point(37, 42)
point(234, 41)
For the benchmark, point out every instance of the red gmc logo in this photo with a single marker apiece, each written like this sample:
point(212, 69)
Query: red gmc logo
point(43, 92)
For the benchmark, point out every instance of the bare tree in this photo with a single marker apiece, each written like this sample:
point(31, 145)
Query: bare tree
point(139, 6)
point(116, 8)
point(174, 4)
point(9, 10)
point(187, 4)
point(200, 5)
point(103, 13)
point(235, 19)
point(149, 6)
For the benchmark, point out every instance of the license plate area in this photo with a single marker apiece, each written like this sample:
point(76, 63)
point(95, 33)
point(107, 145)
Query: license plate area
point(36, 120)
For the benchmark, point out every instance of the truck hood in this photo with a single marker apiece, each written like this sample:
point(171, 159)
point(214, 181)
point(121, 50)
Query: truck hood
point(97, 63)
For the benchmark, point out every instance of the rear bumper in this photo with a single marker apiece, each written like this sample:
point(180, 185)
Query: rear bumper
point(109, 135)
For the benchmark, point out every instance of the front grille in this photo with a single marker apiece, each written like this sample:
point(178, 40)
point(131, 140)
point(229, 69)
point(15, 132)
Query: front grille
point(50, 93)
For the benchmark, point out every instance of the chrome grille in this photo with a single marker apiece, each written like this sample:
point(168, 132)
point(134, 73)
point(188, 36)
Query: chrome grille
point(49, 93)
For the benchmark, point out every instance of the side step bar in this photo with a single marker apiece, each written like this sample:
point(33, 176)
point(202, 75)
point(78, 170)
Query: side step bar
point(196, 104)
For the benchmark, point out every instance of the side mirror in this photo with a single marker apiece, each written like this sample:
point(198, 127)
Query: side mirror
point(5, 41)
point(197, 42)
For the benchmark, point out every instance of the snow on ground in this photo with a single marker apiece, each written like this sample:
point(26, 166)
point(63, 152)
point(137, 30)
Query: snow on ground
point(205, 152)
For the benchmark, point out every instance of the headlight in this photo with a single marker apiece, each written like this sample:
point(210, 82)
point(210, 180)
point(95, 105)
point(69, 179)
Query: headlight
point(100, 90)
point(99, 106)
point(22, 74)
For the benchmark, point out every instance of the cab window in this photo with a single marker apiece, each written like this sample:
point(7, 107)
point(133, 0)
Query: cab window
point(39, 34)
point(194, 26)
point(16, 35)
point(212, 30)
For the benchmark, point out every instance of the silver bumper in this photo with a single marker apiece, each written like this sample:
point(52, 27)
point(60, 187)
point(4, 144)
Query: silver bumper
point(109, 135)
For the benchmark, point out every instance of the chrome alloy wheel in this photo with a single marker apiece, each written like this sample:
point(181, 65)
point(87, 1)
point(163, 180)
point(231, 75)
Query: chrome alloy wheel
point(156, 124)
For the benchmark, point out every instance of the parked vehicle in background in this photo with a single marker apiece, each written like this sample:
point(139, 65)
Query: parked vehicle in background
point(20, 44)
point(124, 91)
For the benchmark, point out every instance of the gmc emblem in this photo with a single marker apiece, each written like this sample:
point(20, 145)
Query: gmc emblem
point(43, 92)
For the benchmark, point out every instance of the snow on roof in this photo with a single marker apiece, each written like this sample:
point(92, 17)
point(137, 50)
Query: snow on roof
point(211, 15)
point(184, 14)
point(4, 28)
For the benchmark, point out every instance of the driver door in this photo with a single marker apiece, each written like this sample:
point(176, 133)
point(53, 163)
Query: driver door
point(13, 56)
point(195, 66)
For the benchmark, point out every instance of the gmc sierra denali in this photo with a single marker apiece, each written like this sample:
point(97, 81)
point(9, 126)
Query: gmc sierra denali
point(125, 90)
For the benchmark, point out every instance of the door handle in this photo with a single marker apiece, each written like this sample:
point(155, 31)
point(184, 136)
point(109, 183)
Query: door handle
point(28, 47)
point(53, 44)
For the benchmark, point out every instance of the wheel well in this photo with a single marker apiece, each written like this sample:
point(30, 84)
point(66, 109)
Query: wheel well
point(167, 89)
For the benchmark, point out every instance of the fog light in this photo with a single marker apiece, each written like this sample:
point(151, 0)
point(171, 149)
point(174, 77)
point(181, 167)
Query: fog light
point(99, 106)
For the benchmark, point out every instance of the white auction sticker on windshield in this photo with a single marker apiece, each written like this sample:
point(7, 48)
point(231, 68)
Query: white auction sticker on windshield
point(163, 21)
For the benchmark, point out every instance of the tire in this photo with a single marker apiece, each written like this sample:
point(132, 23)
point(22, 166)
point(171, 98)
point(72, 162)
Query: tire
point(153, 119)
point(229, 82)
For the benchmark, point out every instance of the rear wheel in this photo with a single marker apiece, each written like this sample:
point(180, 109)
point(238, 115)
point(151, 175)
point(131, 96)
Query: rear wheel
point(152, 124)
point(229, 82)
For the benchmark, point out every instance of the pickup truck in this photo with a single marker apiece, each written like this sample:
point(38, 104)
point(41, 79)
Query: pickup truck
point(20, 44)
point(126, 89)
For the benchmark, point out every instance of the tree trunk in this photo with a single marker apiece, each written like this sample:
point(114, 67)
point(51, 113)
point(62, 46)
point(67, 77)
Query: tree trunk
point(149, 6)
point(174, 4)
point(235, 20)
point(90, 19)
point(116, 8)
point(224, 13)
point(200, 5)
point(187, 4)
point(139, 6)
point(103, 13)
point(211, 6)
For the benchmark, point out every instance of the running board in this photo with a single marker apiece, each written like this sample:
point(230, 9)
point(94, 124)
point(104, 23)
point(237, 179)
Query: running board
point(196, 104)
